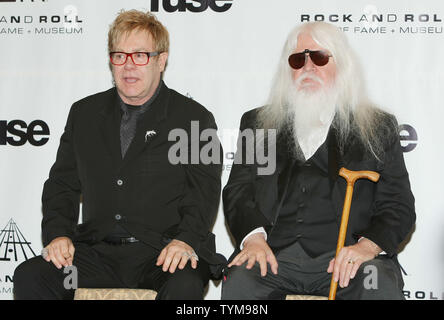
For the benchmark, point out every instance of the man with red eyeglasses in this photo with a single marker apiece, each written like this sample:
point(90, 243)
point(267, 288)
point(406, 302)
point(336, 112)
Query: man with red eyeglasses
point(146, 222)
point(286, 224)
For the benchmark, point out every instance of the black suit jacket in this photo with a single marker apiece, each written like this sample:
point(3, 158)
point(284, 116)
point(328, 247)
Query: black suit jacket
point(382, 212)
point(143, 191)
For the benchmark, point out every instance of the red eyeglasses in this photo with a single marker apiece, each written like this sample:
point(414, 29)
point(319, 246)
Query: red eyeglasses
point(298, 60)
point(139, 58)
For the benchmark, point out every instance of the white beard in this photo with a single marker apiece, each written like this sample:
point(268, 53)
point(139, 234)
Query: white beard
point(312, 113)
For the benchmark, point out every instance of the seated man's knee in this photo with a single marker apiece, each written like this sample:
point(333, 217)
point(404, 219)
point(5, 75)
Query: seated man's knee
point(25, 273)
point(381, 278)
point(239, 283)
point(186, 284)
point(38, 279)
point(387, 269)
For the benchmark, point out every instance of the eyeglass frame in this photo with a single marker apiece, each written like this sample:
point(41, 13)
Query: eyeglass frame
point(149, 54)
point(306, 53)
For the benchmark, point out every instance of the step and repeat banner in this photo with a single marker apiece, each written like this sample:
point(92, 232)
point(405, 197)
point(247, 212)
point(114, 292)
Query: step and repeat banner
point(223, 54)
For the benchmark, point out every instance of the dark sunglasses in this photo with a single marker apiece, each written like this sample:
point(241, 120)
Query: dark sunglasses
point(298, 60)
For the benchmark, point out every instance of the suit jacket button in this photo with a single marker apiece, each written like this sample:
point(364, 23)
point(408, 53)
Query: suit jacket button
point(117, 217)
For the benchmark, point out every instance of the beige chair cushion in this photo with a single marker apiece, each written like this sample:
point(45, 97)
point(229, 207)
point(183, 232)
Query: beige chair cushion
point(114, 294)
point(304, 297)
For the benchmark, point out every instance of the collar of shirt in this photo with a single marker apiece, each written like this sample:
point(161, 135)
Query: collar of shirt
point(312, 140)
point(127, 108)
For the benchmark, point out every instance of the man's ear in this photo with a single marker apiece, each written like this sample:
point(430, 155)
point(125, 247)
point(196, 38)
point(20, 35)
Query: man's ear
point(162, 60)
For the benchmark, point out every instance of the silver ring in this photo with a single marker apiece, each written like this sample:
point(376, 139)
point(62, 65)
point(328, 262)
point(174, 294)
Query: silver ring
point(44, 253)
point(194, 255)
point(187, 254)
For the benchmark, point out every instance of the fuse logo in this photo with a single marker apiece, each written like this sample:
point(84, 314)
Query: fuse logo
point(16, 133)
point(191, 5)
point(408, 137)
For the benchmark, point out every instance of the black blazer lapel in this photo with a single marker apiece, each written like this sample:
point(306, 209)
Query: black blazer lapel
point(284, 166)
point(334, 157)
point(284, 163)
point(110, 126)
point(334, 164)
point(270, 189)
point(336, 160)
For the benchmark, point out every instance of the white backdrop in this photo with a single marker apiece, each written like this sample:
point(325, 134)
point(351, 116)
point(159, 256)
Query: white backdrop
point(224, 60)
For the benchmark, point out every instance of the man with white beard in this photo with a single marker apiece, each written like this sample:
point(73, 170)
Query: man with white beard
point(286, 224)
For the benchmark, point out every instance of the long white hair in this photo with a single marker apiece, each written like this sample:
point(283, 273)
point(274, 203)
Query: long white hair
point(355, 113)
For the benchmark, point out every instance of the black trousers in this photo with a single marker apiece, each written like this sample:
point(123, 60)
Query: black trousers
point(298, 273)
point(103, 265)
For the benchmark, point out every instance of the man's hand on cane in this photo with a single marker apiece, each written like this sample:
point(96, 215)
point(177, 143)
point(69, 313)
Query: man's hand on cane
point(346, 264)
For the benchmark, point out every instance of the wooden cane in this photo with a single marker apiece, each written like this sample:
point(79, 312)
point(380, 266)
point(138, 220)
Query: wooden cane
point(350, 177)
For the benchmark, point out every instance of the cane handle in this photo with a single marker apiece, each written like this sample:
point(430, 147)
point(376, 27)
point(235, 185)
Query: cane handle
point(352, 176)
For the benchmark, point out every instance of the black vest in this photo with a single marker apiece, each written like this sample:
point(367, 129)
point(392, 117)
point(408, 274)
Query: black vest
point(307, 214)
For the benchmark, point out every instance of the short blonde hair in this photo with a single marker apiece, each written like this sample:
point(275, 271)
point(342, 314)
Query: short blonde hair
point(128, 21)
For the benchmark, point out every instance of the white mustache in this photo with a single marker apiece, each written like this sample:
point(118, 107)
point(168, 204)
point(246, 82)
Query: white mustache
point(308, 76)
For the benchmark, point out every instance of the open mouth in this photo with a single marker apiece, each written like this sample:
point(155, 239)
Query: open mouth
point(130, 80)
